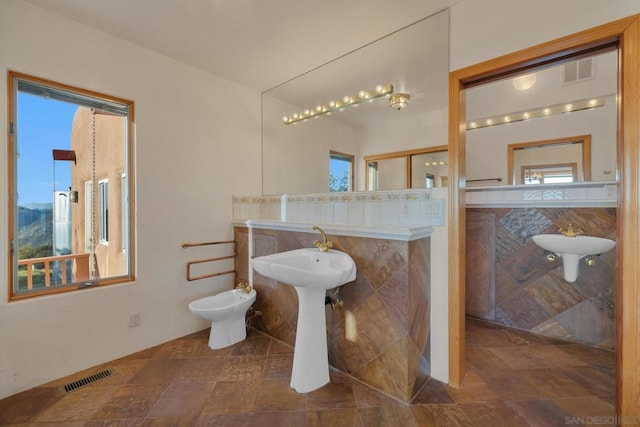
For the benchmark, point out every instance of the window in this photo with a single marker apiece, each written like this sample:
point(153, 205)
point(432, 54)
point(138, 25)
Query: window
point(340, 172)
point(103, 211)
point(549, 174)
point(88, 193)
point(65, 146)
point(124, 214)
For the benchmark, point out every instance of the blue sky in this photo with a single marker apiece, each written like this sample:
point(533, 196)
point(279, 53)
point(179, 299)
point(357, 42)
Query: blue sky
point(43, 124)
point(338, 167)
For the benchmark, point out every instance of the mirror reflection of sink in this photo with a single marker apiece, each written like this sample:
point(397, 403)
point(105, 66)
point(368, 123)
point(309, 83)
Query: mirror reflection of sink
point(308, 267)
point(572, 249)
point(311, 272)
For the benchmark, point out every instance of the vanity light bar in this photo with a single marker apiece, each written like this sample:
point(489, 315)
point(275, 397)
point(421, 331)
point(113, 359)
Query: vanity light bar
point(319, 110)
point(585, 104)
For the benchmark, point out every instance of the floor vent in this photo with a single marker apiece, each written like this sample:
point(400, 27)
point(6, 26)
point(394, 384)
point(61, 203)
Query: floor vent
point(83, 382)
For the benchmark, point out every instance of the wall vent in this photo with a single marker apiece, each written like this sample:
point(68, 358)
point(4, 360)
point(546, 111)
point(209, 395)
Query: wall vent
point(577, 71)
point(83, 382)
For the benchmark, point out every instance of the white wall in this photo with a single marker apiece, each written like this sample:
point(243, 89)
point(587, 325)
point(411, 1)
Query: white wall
point(197, 143)
point(485, 29)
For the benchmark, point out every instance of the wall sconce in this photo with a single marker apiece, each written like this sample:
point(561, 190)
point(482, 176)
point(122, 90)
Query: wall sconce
point(399, 100)
point(362, 96)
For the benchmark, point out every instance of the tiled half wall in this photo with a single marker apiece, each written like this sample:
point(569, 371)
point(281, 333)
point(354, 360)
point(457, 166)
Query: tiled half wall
point(400, 207)
point(509, 280)
point(389, 300)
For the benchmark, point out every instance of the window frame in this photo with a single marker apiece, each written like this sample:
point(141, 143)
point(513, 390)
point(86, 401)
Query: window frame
point(352, 165)
point(12, 257)
point(103, 212)
point(371, 180)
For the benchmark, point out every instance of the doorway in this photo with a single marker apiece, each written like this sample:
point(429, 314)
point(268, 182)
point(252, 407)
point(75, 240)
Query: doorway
point(625, 34)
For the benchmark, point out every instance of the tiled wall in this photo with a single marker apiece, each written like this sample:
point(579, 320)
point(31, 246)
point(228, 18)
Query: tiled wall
point(402, 207)
point(527, 291)
point(578, 194)
point(389, 299)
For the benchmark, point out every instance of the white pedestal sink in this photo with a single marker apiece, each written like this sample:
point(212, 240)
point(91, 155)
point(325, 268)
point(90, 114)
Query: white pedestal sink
point(311, 272)
point(573, 249)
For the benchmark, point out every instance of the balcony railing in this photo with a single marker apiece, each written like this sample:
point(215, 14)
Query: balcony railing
point(68, 272)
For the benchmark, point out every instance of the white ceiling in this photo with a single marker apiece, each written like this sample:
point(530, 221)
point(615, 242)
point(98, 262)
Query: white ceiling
point(414, 60)
point(257, 43)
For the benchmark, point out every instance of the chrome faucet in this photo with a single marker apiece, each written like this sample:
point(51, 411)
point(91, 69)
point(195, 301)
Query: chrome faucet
point(325, 245)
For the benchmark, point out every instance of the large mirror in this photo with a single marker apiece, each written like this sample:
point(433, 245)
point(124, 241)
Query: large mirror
point(413, 60)
point(551, 126)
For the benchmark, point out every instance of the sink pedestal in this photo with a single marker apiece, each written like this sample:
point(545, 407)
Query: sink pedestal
point(570, 264)
point(310, 358)
point(311, 272)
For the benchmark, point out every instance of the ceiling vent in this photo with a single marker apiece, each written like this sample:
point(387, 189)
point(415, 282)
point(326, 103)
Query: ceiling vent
point(578, 71)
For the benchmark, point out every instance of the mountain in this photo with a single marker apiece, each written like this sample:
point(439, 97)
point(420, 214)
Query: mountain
point(35, 226)
point(40, 206)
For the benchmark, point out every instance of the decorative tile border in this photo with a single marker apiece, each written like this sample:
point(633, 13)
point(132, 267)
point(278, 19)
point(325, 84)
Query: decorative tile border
point(414, 207)
point(602, 194)
point(382, 208)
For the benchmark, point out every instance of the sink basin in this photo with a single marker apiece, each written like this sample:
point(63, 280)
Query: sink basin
point(572, 249)
point(311, 272)
point(308, 267)
point(579, 245)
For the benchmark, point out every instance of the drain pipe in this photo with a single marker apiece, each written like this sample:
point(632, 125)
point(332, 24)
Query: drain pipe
point(252, 314)
point(250, 251)
point(350, 327)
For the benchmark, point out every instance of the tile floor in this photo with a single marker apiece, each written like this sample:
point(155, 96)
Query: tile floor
point(514, 379)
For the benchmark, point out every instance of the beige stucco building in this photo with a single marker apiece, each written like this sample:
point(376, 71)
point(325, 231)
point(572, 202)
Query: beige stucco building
point(110, 179)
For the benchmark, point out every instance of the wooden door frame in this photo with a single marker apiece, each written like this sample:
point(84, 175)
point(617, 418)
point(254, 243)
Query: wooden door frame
point(625, 33)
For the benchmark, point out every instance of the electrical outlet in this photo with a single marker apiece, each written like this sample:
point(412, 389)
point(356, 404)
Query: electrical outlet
point(134, 319)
